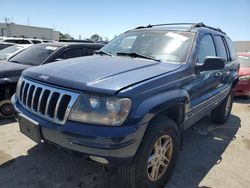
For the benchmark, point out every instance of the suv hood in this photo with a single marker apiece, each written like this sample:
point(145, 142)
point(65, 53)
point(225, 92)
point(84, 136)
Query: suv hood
point(99, 73)
point(9, 69)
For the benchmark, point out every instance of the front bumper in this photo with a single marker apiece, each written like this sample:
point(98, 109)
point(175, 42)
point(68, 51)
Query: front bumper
point(117, 145)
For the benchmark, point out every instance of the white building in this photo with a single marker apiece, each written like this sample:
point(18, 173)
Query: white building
point(16, 30)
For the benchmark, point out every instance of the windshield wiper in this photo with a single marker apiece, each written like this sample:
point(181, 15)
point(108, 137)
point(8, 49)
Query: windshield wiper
point(15, 62)
point(103, 53)
point(134, 54)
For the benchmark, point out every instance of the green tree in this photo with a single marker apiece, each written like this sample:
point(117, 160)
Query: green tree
point(96, 38)
point(66, 36)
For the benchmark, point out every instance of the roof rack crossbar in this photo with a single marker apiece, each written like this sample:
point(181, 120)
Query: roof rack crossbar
point(192, 26)
point(169, 24)
point(206, 26)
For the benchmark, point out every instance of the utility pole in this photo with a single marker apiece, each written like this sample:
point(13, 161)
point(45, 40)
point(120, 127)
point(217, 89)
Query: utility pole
point(28, 21)
point(6, 20)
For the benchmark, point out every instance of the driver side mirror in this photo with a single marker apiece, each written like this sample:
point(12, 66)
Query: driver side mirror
point(211, 63)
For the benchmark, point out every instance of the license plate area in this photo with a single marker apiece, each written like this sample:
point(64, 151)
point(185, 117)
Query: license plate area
point(29, 128)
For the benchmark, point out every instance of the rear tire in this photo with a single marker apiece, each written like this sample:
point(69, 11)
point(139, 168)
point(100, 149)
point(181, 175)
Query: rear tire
point(158, 152)
point(222, 112)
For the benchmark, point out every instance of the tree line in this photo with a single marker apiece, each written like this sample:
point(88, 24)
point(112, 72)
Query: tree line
point(94, 37)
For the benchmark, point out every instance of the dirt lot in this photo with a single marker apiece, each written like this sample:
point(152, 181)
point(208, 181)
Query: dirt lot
point(212, 156)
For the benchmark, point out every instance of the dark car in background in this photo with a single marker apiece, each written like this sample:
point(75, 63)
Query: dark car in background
point(243, 87)
point(38, 54)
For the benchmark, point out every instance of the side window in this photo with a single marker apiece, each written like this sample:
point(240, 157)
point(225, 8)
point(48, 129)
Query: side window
point(21, 41)
point(71, 53)
point(230, 45)
point(220, 47)
point(88, 51)
point(91, 51)
point(206, 48)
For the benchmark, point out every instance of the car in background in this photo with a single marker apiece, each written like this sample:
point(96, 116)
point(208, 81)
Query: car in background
point(25, 40)
point(38, 54)
point(2, 38)
point(243, 87)
point(18, 40)
point(37, 41)
point(5, 45)
point(12, 50)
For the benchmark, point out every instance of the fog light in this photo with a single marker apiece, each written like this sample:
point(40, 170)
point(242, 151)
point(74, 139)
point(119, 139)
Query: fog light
point(99, 159)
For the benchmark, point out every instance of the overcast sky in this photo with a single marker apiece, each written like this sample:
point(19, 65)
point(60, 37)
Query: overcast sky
point(110, 17)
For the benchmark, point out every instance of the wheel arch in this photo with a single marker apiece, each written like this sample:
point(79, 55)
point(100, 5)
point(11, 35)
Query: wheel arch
point(171, 104)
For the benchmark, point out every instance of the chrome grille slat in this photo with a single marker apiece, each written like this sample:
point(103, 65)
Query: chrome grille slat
point(39, 101)
point(32, 100)
point(27, 95)
point(38, 98)
point(47, 104)
point(24, 86)
point(57, 106)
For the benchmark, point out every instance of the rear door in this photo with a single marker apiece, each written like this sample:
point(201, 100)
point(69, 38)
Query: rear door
point(232, 65)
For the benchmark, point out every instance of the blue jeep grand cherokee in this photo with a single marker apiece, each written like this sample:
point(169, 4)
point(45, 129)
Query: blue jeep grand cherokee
point(128, 105)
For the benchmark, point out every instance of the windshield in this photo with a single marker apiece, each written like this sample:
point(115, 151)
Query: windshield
point(34, 55)
point(6, 52)
point(170, 46)
point(244, 61)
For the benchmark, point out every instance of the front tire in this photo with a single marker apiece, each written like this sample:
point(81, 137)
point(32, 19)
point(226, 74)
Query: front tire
point(6, 109)
point(156, 157)
point(222, 112)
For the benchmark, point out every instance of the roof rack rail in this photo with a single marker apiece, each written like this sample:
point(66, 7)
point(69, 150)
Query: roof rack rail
point(192, 26)
point(157, 25)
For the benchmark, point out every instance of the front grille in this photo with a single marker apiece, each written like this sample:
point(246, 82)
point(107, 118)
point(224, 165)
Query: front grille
point(45, 101)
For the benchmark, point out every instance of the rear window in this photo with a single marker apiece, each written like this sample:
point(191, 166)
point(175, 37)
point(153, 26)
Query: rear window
point(18, 41)
point(230, 45)
point(34, 55)
point(2, 46)
point(7, 52)
point(36, 41)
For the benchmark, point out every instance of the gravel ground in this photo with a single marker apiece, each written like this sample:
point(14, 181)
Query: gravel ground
point(212, 156)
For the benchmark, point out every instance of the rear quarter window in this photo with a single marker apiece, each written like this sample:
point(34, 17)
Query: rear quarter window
point(231, 49)
point(220, 47)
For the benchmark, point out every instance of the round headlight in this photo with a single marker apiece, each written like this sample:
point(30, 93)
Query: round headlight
point(94, 102)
